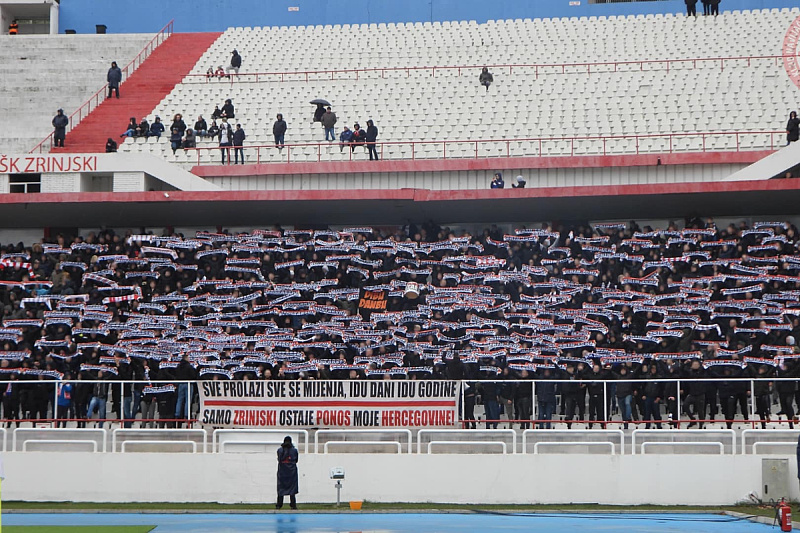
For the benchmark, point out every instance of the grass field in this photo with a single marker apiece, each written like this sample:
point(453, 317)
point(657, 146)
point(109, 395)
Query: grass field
point(763, 510)
point(78, 529)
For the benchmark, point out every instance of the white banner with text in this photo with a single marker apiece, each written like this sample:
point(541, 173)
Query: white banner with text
point(329, 404)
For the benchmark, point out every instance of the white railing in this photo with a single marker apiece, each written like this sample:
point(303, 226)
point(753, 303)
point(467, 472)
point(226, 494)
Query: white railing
point(683, 438)
point(766, 438)
point(153, 436)
point(467, 436)
point(472, 443)
point(554, 437)
point(222, 438)
point(562, 446)
point(404, 436)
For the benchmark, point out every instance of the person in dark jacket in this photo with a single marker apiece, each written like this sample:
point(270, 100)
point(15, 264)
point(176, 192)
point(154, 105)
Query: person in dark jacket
point(372, 136)
point(571, 392)
point(345, 138)
point(358, 138)
point(486, 78)
point(228, 110)
point(287, 473)
point(236, 63)
point(691, 8)
point(546, 397)
point(217, 113)
point(706, 7)
point(520, 183)
point(114, 78)
point(328, 122)
point(238, 141)
point(157, 128)
point(497, 181)
point(318, 112)
point(213, 130)
point(786, 391)
point(184, 372)
point(225, 141)
point(792, 128)
point(695, 393)
point(99, 398)
point(130, 130)
point(714, 7)
point(491, 404)
point(597, 404)
point(111, 146)
point(652, 394)
point(278, 131)
point(11, 400)
point(177, 122)
point(143, 129)
point(201, 127)
point(175, 140)
point(190, 140)
point(60, 123)
point(762, 390)
point(624, 394)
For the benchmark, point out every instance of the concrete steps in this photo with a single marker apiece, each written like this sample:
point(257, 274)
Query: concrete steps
point(141, 92)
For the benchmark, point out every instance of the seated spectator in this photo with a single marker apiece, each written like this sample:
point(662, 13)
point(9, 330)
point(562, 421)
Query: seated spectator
point(190, 140)
point(209, 73)
point(359, 137)
point(176, 139)
point(227, 110)
point(213, 131)
point(156, 128)
point(143, 129)
point(497, 181)
point(345, 138)
point(520, 183)
point(220, 72)
point(486, 78)
point(200, 127)
point(178, 123)
point(111, 146)
point(130, 131)
point(217, 113)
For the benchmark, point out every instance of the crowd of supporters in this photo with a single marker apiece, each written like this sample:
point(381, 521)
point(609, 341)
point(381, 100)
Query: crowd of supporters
point(701, 303)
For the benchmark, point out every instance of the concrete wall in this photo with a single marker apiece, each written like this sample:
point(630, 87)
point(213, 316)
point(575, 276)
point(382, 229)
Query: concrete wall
point(480, 179)
point(217, 15)
point(233, 478)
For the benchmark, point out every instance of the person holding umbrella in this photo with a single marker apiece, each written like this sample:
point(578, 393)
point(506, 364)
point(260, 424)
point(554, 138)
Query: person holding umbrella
point(321, 103)
point(287, 473)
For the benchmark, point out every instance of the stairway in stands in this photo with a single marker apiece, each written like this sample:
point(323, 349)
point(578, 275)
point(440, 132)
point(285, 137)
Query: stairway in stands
point(140, 93)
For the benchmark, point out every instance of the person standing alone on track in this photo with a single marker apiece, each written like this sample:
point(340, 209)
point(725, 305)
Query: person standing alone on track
point(287, 473)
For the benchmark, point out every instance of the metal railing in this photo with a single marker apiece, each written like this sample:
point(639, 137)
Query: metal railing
point(98, 97)
point(536, 69)
point(600, 145)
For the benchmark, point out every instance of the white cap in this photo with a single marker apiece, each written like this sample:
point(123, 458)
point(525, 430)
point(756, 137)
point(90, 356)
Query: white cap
point(520, 178)
point(790, 340)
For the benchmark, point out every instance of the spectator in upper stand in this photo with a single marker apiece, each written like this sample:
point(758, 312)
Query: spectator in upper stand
point(792, 128)
point(486, 78)
point(238, 142)
point(111, 146)
point(200, 127)
point(278, 131)
point(177, 122)
point(227, 110)
point(114, 78)
point(371, 137)
point(13, 28)
point(220, 72)
point(236, 64)
point(328, 122)
point(318, 112)
point(497, 181)
point(60, 123)
point(344, 138)
point(217, 113)
point(520, 183)
point(175, 140)
point(225, 141)
point(190, 139)
point(213, 131)
point(691, 8)
point(130, 130)
point(209, 73)
point(359, 136)
point(156, 128)
point(706, 7)
point(143, 129)
point(715, 7)
point(99, 398)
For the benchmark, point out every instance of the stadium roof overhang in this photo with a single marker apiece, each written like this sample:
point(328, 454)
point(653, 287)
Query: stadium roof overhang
point(378, 207)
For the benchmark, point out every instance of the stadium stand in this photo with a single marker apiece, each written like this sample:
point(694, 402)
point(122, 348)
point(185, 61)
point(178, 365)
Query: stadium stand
point(698, 302)
point(649, 83)
point(42, 73)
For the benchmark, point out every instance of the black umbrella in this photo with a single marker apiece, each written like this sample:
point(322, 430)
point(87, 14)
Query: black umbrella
point(320, 101)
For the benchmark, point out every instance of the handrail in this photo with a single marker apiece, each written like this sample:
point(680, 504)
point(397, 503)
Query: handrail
point(286, 157)
point(309, 75)
point(96, 99)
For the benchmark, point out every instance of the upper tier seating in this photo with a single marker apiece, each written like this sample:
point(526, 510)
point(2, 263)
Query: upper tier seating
point(41, 73)
point(526, 102)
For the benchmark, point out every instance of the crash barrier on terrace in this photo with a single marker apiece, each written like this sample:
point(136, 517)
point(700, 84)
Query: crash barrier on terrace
point(420, 442)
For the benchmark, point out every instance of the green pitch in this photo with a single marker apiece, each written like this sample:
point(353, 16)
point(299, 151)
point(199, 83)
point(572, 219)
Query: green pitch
point(78, 529)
